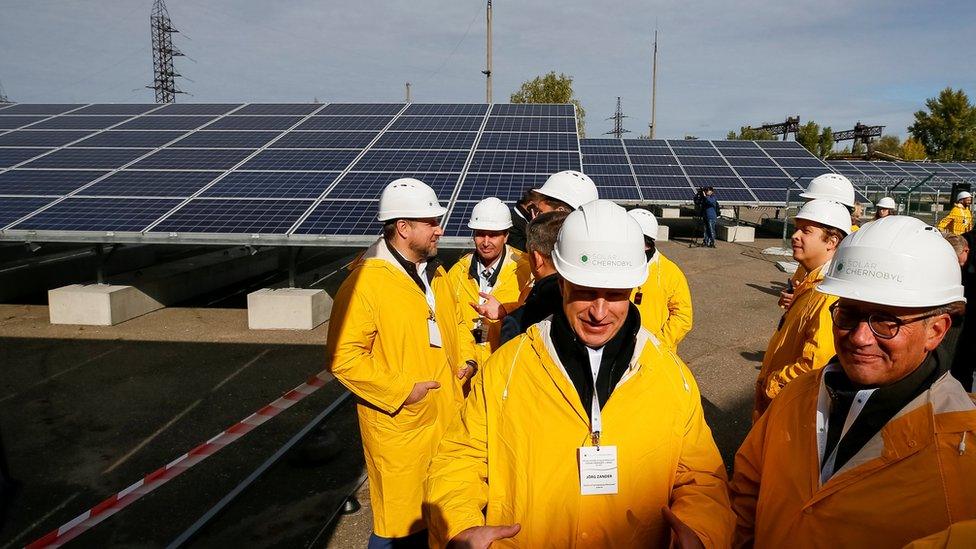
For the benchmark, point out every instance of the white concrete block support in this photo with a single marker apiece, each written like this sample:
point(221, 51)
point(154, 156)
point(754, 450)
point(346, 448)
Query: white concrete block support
point(287, 309)
point(726, 212)
point(735, 233)
point(98, 304)
point(663, 212)
point(663, 233)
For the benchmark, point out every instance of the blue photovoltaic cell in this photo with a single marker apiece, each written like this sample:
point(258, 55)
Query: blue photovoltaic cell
point(717, 182)
point(690, 143)
point(709, 170)
point(118, 108)
point(606, 169)
point(165, 123)
point(457, 224)
point(768, 182)
point(780, 145)
point(702, 160)
point(641, 169)
point(39, 108)
point(297, 160)
point(662, 181)
point(342, 217)
point(11, 156)
point(618, 193)
point(193, 159)
point(234, 216)
point(44, 182)
point(605, 159)
point(733, 143)
point(748, 171)
point(750, 161)
point(804, 173)
point(416, 161)
point(696, 151)
point(734, 195)
point(773, 195)
point(10, 122)
point(254, 123)
point(684, 194)
point(653, 160)
point(508, 187)
point(227, 140)
point(740, 151)
point(446, 109)
point(98, 214)
point(369, 184)
point(272, 185)
point(91, 159)
point(12, 209)
point(613, 181)
point(30, 138)
point(529, 124)
point(800, 162)
point(345, 123)
point(324, 140)
point(279, 108)
point(197, 108)
point(151, 183)
point(504, 109)
point(131, 138)
point(648, 151)
point(788, 153)
point(426, 140)
point(609, 141)
point(79, 122)
point(523, 162)
point(439, 123)
point(361, 109)
point(593, 149)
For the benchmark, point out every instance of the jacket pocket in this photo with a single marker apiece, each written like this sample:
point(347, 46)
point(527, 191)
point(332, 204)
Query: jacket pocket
point(417, 415)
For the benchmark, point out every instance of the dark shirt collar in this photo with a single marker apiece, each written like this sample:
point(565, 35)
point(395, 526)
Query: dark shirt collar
point(411, 267)
point(476, 267)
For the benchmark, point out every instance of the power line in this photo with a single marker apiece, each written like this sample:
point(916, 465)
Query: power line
point(164, 73)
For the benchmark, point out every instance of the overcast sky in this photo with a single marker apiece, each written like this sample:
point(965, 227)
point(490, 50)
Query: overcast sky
point(721, 64)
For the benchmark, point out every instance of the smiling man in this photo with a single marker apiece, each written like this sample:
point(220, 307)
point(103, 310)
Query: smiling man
point(802, 340)
point(586, 430)
point(877, 448)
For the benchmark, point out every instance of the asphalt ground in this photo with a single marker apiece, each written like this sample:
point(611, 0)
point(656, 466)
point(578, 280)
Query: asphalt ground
point(86, 411)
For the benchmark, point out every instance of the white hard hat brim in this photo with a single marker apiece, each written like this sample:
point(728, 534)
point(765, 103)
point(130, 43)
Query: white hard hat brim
point(390, 215)
point(630, 278)
point(489, 226)
point(882, 296)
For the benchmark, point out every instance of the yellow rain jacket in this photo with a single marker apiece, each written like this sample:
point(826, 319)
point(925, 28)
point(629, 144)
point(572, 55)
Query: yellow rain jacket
point(961, 535)
point(665, 301)
point(803, 341)
point(513, 277)
point(514, 453)
point(913, 479)
point(379, 347)
point(959, 220)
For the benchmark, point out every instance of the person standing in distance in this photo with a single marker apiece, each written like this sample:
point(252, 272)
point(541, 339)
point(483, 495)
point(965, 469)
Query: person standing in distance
point(709, 214)
point(885, 207)
point(585, 430)
point(960, 218)
point(397, 342)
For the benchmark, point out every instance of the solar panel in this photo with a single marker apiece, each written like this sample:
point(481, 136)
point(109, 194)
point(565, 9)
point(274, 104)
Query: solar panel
point(717, 182)
point(12, 209)
point(279, 108)
point(696, 151)
point(597, 149)
point(118, 108)
point(345, 123)
point(736, 161)
point(701, 160)
point(419, 161)
point(152, 122)
point(662, 181)
point(426, 140)
point(9, 122)
point(70, 122)
point(361, 109)
point(342, 217)
point(533, 110)
point(449, 109)
point(140, 183)
point(12, 156)
point(129, 138)
point(44, 182)
point(641, 169)
point(605, 159)
point(225, 139)
point(90, 159)
point(39, 108)
point(254, 123)
point(530, 141)
point(508, 187)
point(529, 124)
point(197, 108)
point(192, 159)
point(308, 185)
point(653, 160)
point(98, 214)
point(324, 140)
point(523, 162)
point(299, 159)
point(235, 216)
point(29, 138)
point(671, 194)
point(359, 184)
point(619, 193)
point(438, 123)
point(607, 169)
point(457, 223)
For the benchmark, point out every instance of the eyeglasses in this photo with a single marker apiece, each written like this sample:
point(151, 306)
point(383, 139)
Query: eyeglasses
point(883, 325)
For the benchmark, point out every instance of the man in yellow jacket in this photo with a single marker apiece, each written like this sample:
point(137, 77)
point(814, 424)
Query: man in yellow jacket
point(585, 430)
point(960, 218)
point(397, 342)
point(876, 449)
point(664, 300)
point(802, 340)
point(494, 269)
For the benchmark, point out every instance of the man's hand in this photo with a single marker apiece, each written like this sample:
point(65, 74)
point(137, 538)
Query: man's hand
point(468, 370)
point(481, 537)
point(785, 299)
point(491, 309)
point(684, 537)
point(420, 391)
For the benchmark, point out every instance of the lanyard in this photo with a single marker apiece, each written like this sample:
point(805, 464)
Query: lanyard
point(428, 292)
point(596, 419)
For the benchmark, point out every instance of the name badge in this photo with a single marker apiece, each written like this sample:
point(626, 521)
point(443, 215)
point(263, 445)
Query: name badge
point(434, 333)
point(598, 470)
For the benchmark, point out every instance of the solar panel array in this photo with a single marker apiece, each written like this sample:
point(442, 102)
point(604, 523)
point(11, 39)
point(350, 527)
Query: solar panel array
point(671, 171)
point(887, 174)
point(284, 173)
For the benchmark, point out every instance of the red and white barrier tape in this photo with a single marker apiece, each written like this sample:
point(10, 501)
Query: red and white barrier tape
point(157, 478)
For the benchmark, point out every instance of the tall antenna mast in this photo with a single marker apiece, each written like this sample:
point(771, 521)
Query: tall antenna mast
point(164, 74)
point(650, 128)
point(3, 96)
point(618, 130)
point(408, 92)
point(487, 71)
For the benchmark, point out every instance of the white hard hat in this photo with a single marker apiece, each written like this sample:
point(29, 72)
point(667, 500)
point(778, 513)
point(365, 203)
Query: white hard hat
point(409, 198)
point(826, 212)
point(600, 246)
point(491, 214)
point(897, 261)
point(646, 220)
point(831, 186)
point(572, 187)
point(887, 203)
point(962, 195)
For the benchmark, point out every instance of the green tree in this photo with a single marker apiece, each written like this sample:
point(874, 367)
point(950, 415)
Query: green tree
point(808, 135)
point(551, 88)
point(948, 129)
point(889, 144)
point(826, 142)
point(750, 134)
point(912, 149)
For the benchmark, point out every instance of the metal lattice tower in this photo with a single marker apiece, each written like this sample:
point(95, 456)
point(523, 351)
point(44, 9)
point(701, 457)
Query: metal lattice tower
point(3, 96)
point(164, 74)
point(618, 130)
